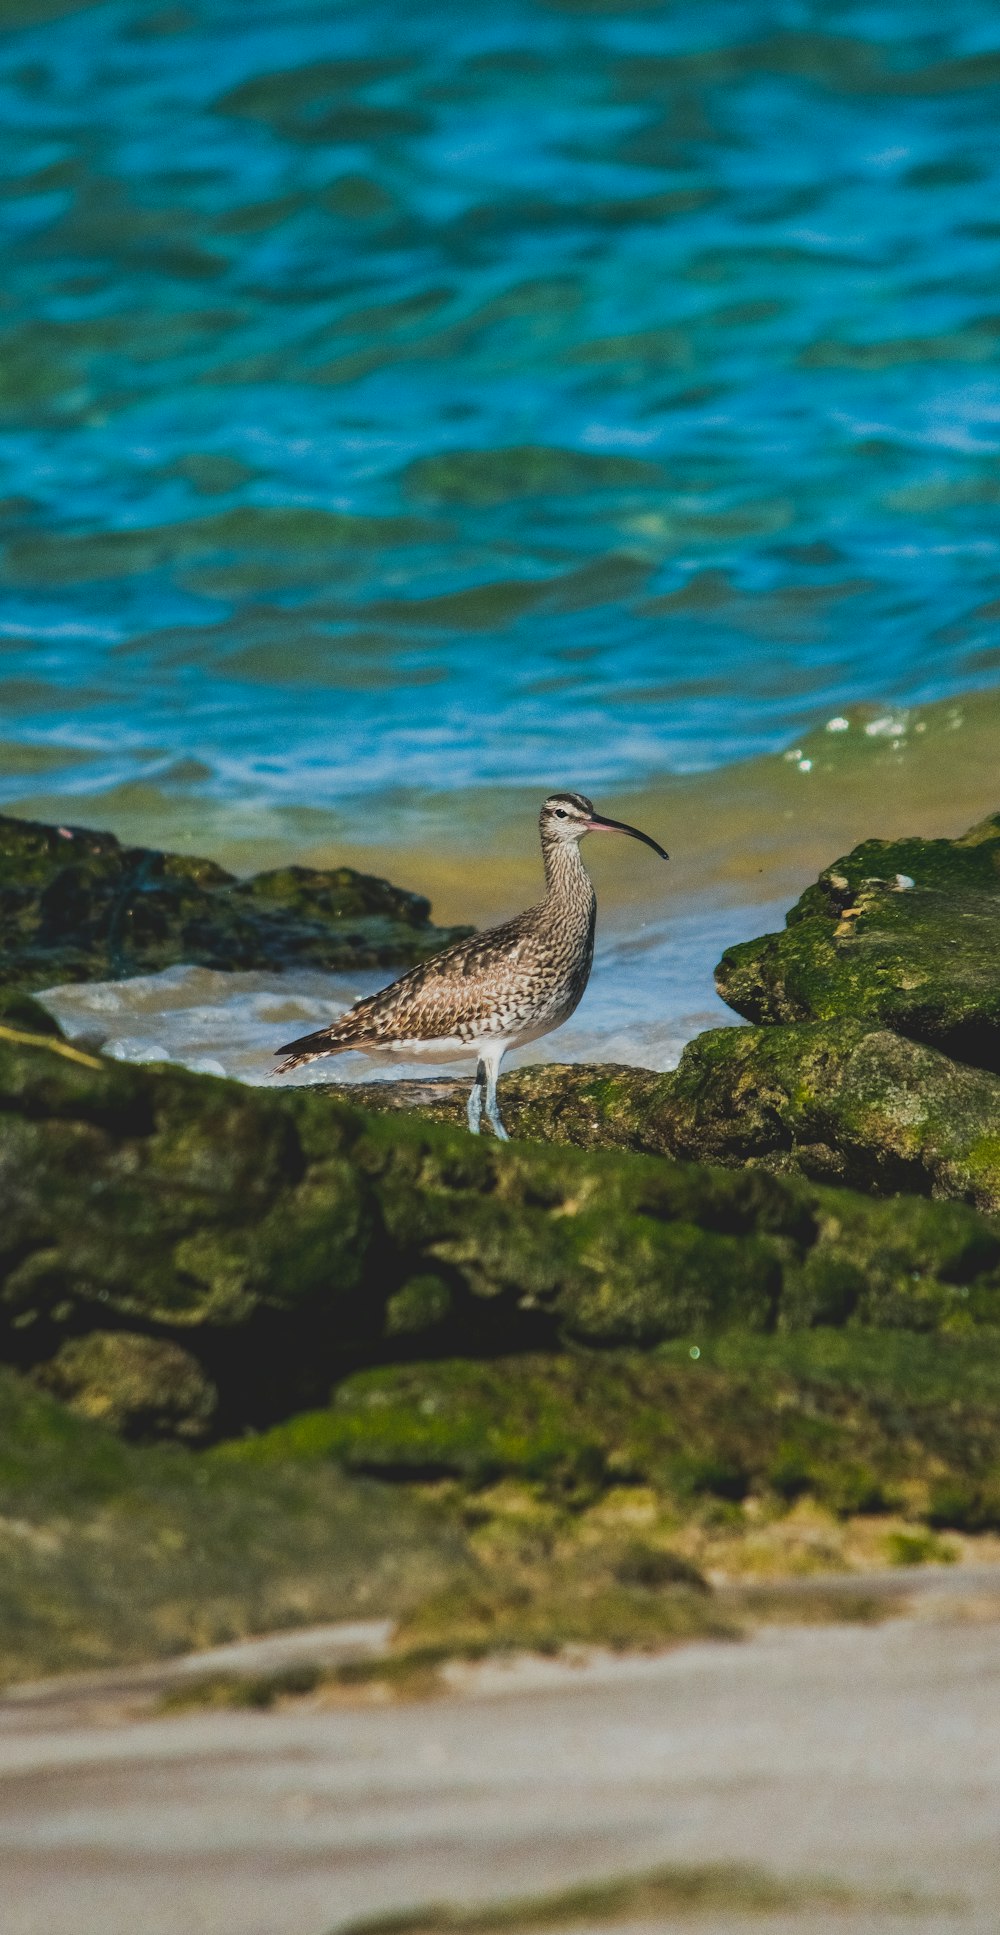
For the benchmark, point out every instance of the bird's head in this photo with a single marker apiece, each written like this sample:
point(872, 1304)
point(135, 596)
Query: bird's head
point(568, 816)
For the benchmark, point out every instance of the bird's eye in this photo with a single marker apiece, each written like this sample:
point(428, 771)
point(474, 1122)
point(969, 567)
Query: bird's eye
point(561, 813)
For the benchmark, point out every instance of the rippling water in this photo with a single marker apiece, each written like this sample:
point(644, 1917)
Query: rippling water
point(403, 409)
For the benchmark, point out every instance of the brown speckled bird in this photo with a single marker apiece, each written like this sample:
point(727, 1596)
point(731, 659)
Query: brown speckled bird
point(496, 990)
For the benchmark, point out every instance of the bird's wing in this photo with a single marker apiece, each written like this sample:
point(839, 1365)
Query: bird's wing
point(452, 994)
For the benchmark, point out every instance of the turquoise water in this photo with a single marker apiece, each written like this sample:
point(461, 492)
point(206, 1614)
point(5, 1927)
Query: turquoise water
point(406, 409)
point(397, 400)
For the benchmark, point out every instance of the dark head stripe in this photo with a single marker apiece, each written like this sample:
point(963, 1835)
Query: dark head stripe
point(582, 804)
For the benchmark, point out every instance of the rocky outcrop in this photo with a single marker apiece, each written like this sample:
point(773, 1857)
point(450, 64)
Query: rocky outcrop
point(113, 1552)
point(726, 1310)
point(859, 1431)
point(78, 906)
point(279, 1240)
point(604, 1105)
point(841, 1101)
point(902, 933)
point(874, 1061)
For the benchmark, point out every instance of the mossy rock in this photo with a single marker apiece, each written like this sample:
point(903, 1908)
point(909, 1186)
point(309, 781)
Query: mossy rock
point(843, 1102)
point(905, 933)
point(859, 1423)
point(604, 1105)
point(142, 1387)
point(78, 906)
point(281, 1239)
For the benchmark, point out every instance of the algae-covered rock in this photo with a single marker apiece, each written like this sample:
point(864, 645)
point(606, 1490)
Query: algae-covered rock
point(605, 1105)
point(19, 1014)
point(77, 906)
point(138, 1386)
point(842, 1101)
point(857, 1422)
point(903, 933)
point(280, 1239)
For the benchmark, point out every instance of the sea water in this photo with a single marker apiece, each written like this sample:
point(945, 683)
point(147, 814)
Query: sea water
point(404, 411)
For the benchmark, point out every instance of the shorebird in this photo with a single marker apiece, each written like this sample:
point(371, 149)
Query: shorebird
point(497, 990)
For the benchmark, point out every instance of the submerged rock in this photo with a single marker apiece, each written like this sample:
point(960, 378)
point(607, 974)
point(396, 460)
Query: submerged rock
point(499, 476)
point(78, 906)
point(903, 933)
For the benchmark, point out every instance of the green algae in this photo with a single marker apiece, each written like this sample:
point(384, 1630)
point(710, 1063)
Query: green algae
point(481, 1615)
point(256, 537)
point(857, 1421)
point(141, 1387)
point(280, 1238)
point(531, 1332)
point(489, 607)
point(212, 473)
point(76, 905)
point(977, 342)
point(481, 608)
point(359, 198)
point(902, 932)
point(794, 611)
point(30, 13)
point(839, 1101)
point(319, 102)
point(604, 1105)
point(566, 1606)
point(171, 1241)
point(500, 476)
point(842, 1101)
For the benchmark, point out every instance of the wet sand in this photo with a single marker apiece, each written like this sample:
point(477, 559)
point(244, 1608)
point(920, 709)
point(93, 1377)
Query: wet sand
point(868, 1754)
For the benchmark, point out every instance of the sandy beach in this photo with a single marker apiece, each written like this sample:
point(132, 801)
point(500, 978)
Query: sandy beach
point(864, 1754)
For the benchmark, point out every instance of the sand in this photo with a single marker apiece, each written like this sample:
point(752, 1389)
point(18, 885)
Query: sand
point(869, 1754)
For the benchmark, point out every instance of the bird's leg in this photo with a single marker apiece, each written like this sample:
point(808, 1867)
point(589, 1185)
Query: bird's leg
point(474, 1107)
point(491, 1064)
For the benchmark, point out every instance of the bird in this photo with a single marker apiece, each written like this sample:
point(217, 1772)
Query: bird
point(496, 990)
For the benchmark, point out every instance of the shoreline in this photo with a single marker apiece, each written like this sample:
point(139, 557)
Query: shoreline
point(740, 834)
point(736, 1317)
point(851, 1766)
point(135, 1695)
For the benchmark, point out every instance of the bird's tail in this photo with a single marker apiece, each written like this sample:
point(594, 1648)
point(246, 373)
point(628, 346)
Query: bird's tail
point(310, 1048)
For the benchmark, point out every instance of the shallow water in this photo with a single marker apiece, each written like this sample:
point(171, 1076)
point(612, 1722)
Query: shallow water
point(406, 410)
point(649, 994)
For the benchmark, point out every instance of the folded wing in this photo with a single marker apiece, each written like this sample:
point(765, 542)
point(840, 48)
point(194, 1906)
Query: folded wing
point(454, 994)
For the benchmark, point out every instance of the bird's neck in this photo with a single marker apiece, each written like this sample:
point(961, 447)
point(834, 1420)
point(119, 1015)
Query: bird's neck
point(566, 878)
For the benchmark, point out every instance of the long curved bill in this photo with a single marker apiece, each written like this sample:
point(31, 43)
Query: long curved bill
point(600, 825)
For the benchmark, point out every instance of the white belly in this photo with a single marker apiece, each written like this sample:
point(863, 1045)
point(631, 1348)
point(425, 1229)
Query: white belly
point(450, 1048)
